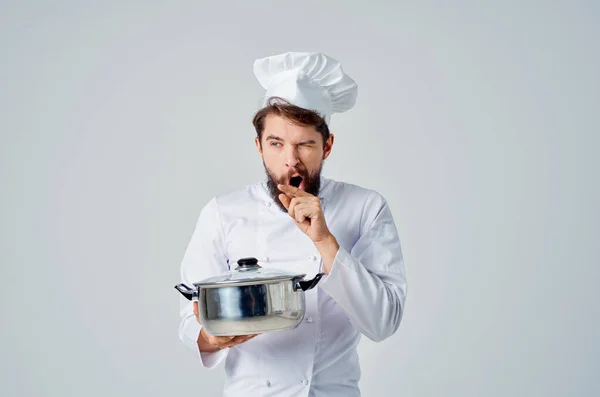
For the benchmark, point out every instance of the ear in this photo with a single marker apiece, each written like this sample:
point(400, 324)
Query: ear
point(328, 146)
point(258, 146)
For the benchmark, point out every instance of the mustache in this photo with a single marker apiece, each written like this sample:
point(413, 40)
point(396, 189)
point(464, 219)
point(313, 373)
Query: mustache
point(312, 182)
point(302, 173)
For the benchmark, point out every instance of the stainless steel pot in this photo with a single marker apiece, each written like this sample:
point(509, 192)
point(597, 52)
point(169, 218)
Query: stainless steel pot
point(250, 299)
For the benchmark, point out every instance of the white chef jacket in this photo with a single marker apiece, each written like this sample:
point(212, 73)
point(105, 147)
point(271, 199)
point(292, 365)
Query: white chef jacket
point(364, 293)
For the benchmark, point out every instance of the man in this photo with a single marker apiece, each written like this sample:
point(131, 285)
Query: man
point(322, 225)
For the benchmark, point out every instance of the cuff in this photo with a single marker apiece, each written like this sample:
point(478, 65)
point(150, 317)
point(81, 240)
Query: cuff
point(189, 336)
point(342, 263)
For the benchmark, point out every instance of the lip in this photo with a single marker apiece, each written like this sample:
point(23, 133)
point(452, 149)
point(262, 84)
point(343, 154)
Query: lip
point(296, 175)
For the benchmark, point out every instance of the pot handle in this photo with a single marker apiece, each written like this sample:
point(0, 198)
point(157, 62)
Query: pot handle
point(188, 292)
point(305, 285)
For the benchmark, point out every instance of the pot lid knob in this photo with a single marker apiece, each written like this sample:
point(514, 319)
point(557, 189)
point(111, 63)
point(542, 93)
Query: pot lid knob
point(247, 264)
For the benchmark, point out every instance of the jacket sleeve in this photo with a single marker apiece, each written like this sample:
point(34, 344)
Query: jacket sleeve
point(204, 257)
point(369, 281)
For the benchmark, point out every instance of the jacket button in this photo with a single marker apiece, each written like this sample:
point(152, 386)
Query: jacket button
point(310, 319)
point(268, 383)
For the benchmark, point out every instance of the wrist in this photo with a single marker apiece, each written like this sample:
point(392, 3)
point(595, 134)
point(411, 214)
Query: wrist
point(325, 241)
point(204, 343)
point(328, 248)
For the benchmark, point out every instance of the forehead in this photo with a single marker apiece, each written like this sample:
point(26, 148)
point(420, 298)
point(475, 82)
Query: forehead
point(286, 130)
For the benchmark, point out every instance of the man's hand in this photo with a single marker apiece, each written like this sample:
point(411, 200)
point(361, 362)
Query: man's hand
point(210, 343)
point(306, 211)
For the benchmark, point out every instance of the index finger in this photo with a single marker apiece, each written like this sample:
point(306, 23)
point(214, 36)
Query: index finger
point(292, 190)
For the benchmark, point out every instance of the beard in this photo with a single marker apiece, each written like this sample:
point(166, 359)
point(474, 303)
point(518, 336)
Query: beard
point(312, 183)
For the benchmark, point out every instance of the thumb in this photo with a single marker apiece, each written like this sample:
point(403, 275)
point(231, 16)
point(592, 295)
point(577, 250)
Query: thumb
point(285, 200)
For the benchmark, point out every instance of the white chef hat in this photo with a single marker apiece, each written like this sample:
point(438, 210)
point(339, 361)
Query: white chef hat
point(309, 80)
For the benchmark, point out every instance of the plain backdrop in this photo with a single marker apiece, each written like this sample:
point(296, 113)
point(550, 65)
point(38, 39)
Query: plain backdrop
point(478, 121)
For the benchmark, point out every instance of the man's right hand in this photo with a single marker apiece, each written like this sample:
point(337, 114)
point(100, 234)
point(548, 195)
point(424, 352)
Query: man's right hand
point(210, 343)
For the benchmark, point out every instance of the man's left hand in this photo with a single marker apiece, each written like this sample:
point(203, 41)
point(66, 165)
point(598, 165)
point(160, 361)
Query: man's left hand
point(306, 211)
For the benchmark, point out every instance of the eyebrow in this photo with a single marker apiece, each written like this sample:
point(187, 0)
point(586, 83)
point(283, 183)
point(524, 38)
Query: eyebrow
point(276, 138)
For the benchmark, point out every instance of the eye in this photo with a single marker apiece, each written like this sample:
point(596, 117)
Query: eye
point(274, 143)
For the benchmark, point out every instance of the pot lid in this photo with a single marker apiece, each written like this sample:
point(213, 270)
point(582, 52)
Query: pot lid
point(247, 272)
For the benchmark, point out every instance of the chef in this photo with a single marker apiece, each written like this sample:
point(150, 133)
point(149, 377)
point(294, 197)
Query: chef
point(298, 220)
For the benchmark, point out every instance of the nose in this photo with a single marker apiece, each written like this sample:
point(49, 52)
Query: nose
point(292, 157)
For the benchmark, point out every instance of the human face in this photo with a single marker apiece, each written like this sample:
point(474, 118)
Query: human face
point(290, 150)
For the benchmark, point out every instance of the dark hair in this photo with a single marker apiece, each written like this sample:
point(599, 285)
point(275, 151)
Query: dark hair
point(297, 115)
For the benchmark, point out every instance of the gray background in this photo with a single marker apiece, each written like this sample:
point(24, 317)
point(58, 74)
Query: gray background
point(478, 122)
